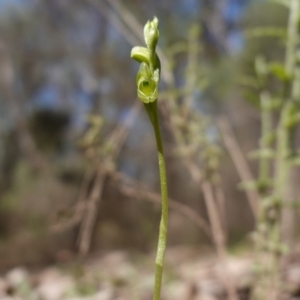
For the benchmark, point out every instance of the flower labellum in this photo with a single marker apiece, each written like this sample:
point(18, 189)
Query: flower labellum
point(147, 84)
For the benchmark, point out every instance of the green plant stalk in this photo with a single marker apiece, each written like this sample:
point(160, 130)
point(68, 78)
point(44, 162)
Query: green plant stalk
point(147, 89)
point(163, 227)
point(263, 189)
point(266, 115)
point(285, 137)
point(284, 148)
point(292, 36)
point(266, 131)
point(269, 229)
point(285, 132)
point(291, 107)
point(280, 181)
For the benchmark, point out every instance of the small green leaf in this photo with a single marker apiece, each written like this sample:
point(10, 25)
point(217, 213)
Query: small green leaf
point(262, 153)
point(248, 185)
point(278, 70)
point(252, 98)
point(291, 116)
point(262, 32)
point(261, 66)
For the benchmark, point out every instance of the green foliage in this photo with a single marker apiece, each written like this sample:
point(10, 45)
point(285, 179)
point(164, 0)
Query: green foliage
point(277, 93)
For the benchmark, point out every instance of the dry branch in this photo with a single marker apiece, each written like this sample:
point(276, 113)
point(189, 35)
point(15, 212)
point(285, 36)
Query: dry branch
point(117, 138)
point(136, 189)
point(239, 161)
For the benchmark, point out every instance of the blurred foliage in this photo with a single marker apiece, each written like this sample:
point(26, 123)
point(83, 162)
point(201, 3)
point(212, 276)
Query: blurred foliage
point(61, 61)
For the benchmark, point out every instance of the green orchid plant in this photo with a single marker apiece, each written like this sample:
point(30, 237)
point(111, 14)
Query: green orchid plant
point(147, 81)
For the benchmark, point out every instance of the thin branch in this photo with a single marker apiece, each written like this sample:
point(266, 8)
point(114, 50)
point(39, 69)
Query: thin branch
point(114, 20)
point(239, 161)
point(139, 191)
point(136, 189)
point(221, 204)
point(215, 223)
point(117, 139)
point(86, 229)
point(128, 18)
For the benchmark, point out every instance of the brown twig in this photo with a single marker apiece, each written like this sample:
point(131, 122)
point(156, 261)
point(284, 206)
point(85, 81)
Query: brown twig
point(114, 20)
point(117, 139)
point(216, 227)
point(136, 189)
point(239, 161)
point(91, 211)
point(221, 204)
point(218, 236)
point(81, 202)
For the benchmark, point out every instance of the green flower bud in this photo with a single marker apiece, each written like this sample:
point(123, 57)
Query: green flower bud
point(151, 34)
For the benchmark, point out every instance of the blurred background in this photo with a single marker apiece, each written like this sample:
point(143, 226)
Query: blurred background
point(78, 163)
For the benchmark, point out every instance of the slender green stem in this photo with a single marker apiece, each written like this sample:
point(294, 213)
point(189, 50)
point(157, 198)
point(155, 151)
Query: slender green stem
point(163, 228)
point(263, 179)
point(147, 83)
point(292, 36)
point(266, 118)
